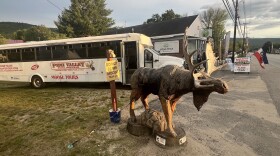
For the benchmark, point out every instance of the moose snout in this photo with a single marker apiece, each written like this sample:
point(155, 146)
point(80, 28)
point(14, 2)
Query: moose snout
point(225, 88)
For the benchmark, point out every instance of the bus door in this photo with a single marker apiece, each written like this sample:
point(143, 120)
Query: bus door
point(130, 60)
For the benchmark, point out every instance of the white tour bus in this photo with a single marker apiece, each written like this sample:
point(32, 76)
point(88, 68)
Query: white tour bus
point(78, 59)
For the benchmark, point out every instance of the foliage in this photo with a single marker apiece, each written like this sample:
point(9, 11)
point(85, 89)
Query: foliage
point(20, 34)
point(215, 18)
point(267, 47)
point(84, 18)
point(37, 33)
point(167, 15)
point(238, 45)
point(3, 40)
point(8, 28)
point(276, 45)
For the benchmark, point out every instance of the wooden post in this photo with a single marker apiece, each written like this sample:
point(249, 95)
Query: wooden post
point(112, 84)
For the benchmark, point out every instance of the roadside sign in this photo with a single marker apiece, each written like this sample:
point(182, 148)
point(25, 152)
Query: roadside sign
point(242, 64)
point(112, 70)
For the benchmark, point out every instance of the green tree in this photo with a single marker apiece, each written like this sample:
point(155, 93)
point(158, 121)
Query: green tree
point(155, 18)
point(3, 40)
point(276, 45)
point(84, 18)
point(267, 46)
point(19, 35)
point(238, 45)
point(215, 18)
point(37, 33)
point(167, 15)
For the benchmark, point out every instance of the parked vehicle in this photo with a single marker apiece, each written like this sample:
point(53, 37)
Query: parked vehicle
point(78, 59)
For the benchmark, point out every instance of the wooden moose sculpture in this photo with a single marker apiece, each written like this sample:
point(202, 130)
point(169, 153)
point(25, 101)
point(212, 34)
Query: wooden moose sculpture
point(170, 83)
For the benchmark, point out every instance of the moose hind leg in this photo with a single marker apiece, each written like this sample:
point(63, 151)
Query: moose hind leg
point(168, 114)
point(134, 96)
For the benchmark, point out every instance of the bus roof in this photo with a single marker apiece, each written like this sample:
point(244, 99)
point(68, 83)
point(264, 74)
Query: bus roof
point(123, 37)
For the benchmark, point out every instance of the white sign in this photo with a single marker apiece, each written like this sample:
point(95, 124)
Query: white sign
point(167, 47)
point(242, 64)
point(160, 140)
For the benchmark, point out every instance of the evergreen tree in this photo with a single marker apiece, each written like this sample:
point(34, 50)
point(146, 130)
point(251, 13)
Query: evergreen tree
point(84, 18)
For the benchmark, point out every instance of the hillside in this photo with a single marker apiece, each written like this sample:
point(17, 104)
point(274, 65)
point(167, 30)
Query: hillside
point(256, 43)
point(8, 28)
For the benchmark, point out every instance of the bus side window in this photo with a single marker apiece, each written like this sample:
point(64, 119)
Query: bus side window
point(43, 53)
point(97, 50)
point(28, 54)
point(116, 46)
point(14, 55)
point(77, 51)
point(72, 54)
point(3, 57)
point(59, 53)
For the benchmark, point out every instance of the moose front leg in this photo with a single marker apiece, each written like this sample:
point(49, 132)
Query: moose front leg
point(134, 96)
point(166, 107)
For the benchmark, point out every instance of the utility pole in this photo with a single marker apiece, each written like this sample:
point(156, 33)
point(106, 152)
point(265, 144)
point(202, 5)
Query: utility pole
point(243, 45)
point(235, 25)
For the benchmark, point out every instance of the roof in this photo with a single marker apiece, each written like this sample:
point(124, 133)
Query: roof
point(126, 37)
point(174, 26)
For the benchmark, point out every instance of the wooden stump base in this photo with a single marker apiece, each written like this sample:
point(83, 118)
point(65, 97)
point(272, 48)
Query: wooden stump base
point(137, 129)
point(164, 139)
point(153, 122)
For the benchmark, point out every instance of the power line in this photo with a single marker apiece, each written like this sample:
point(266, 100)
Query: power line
point(228, 10)
point(233, 4)
point(54, 5)
point(239, 27)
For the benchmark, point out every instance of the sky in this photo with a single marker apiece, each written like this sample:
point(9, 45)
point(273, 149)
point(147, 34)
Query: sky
point(262, 16)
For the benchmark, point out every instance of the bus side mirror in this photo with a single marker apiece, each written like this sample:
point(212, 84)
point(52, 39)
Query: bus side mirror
point(156, 60)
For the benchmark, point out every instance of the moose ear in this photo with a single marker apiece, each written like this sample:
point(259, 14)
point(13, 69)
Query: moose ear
point(199, 98)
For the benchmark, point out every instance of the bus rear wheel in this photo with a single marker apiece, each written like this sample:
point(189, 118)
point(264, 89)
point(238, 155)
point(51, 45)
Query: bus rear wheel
point(37, 82)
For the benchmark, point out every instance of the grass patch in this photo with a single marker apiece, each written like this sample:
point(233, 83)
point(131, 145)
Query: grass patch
point(46, 121)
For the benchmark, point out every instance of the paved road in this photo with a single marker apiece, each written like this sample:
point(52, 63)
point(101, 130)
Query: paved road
point(271, 76)
point(274, 60)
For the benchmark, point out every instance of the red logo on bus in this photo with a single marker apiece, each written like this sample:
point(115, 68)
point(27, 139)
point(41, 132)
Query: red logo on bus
point(35, 67)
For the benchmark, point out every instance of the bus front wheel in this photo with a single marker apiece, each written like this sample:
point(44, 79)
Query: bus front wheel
point(37, 82)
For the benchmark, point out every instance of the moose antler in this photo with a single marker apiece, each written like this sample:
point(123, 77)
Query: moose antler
point(192, 67)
